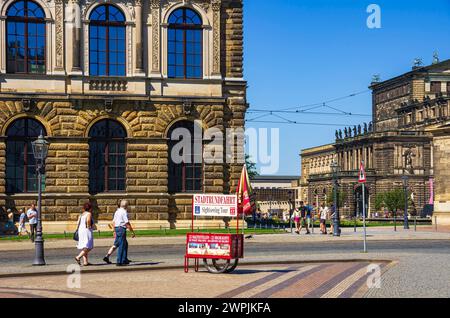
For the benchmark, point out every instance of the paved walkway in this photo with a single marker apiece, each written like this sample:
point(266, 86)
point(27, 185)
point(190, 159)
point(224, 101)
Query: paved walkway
point(319, 280)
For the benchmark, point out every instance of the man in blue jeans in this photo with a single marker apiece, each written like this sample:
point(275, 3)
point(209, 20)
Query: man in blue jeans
point(121, 224)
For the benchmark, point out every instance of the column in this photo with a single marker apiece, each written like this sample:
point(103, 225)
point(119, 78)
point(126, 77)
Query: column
point(216, 8)
point(155, 11)
point(76, 35)
point(138, 14)
point(59, 35)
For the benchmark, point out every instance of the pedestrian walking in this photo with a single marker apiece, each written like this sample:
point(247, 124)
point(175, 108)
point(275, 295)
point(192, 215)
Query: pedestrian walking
point(331, 218)
point(9, 227)
point(85, 235)
point(113, 248)
point(323, 218)
point(296, 217)
point(121, 224)
point(304, 211)
point(32, 219)
point(22, 223)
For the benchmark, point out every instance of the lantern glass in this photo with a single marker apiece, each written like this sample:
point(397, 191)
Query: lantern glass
point(40, 149)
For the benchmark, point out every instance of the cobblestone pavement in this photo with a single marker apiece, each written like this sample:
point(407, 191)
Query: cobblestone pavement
point(327, 280)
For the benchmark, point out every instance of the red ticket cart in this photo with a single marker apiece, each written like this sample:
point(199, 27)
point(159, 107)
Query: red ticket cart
point(220, 252)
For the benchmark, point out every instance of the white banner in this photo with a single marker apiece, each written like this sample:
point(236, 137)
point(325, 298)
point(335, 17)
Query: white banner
point(215, 205)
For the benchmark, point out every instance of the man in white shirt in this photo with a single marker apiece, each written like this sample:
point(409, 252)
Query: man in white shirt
point(121, 224)
point(323, 218)
point(32, 220)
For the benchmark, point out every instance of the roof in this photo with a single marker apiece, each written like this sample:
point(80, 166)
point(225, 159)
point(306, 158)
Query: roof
point(424, 69)
point(275, 178)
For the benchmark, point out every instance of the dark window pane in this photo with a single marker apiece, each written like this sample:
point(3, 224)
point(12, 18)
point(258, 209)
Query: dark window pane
point(20, 164)
point(107, 157)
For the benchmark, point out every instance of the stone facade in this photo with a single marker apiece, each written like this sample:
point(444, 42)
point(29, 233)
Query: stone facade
point(67, 101)
point(398, 142)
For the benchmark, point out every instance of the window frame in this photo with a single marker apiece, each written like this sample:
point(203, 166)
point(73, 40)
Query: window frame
point(184, 166)
point(107, 141)
point(26, 20)
point(107, 24)
point(26, 139)
point(185, 27)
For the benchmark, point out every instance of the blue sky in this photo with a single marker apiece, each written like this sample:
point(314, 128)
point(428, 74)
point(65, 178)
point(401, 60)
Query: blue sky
point(300, 52)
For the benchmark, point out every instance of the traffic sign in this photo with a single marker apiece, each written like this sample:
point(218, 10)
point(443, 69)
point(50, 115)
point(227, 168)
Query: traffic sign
point(362, 174)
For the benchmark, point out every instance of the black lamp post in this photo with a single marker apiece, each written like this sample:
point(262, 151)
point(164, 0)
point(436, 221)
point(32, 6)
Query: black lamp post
point(40, 152)
point(405, 215)
point(336, 230)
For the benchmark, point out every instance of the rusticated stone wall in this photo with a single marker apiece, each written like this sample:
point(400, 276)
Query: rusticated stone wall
point(67, 166)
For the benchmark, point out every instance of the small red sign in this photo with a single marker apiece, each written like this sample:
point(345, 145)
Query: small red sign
point(215, 246)
point(362, 174)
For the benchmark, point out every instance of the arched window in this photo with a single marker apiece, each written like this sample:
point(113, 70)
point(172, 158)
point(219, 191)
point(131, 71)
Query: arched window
point(25, 38)
point(21, 174)
point(185, 57)
point(185, 157)
point(107, 157)
point(107, 41)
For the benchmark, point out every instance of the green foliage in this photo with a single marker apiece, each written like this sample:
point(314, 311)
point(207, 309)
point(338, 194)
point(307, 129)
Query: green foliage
point(251, 167)
point(392, 200)
point(341, 196)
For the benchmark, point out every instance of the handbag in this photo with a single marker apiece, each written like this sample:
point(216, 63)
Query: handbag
point(76, 237)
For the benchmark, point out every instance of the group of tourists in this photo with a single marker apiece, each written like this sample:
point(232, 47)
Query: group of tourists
point(30, 217)
point(304, 216)
point(84, 235)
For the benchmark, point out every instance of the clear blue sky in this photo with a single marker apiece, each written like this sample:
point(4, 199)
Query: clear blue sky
point(300, 52)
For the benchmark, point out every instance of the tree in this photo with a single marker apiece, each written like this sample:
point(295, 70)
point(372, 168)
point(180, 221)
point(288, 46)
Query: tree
point(393, 200)
point(251, 167)
point(341, 197)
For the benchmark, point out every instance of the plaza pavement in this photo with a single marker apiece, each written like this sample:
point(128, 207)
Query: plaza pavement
point(406, 273)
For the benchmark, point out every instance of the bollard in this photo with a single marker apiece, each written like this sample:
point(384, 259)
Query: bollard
point(415, 223)
point(435, 223)
point(64, 234)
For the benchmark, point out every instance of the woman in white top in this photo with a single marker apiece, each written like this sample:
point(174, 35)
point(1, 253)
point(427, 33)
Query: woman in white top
point(85, 234)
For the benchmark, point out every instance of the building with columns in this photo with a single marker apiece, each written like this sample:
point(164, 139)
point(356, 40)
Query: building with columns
point(108, 82)
point(408, 137)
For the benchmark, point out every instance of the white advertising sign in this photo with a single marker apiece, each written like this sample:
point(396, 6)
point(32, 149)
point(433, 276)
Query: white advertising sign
point(215, 205)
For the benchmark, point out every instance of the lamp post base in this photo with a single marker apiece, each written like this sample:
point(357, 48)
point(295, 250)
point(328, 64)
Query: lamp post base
point(39, 259)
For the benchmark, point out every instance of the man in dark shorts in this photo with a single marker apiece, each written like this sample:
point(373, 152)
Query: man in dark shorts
point(304, 214)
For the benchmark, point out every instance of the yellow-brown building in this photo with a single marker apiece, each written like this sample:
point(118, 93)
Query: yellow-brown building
point(107, 82)
point(408, 137)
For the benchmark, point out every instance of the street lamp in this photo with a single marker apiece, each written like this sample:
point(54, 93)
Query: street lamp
point(405, 215)
point(335, 168)
point(40, 152)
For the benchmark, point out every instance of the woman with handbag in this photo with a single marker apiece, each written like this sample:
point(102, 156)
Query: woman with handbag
point(84, 235)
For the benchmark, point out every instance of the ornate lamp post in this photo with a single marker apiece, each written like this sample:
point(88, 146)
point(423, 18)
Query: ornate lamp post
point(336, 226)
point(405, 215)
point(40, 152)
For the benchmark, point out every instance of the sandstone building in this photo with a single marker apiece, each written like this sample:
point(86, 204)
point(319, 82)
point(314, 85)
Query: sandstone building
point(408, 137)
point(107, 82)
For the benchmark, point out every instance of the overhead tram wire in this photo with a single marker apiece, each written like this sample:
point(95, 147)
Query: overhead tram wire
point(297, 123)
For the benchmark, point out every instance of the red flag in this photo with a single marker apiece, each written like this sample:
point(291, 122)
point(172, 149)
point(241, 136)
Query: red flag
point(246, 200)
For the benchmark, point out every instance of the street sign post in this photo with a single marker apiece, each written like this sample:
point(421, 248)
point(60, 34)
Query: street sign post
point(362, 180)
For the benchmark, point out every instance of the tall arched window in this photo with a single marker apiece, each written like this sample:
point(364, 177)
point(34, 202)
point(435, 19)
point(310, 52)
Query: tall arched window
point(185, 157)
point(107, 41)
point(107, 157)
point(21, 174)
point(25, 38)
point(185, 37)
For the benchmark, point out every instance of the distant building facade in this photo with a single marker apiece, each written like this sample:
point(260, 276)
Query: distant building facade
point(107, 82)
point(411, 113)
point(272, 192)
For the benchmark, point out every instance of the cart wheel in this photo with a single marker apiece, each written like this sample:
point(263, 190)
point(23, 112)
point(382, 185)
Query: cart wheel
point(232, 266)
point(217, 267)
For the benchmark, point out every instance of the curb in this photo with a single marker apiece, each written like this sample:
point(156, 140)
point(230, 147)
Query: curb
point(181, 267)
